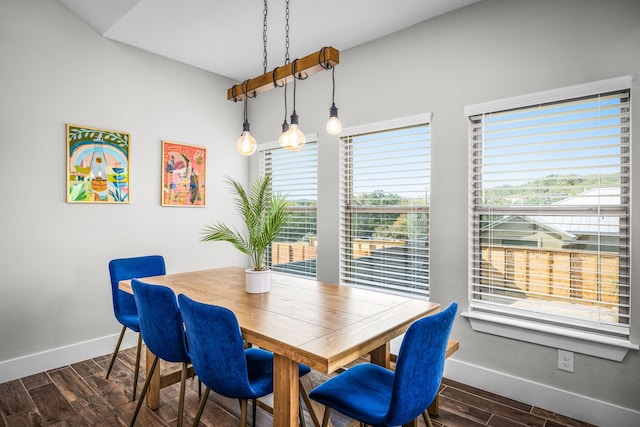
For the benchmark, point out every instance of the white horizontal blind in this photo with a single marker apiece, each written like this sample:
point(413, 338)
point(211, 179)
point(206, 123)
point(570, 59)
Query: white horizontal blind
point(385, 209)
point(549, 201)
point(296, 175)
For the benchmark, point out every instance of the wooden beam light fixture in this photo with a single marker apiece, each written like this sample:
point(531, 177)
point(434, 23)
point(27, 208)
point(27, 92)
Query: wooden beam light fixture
point(323, 59)
point(292, 138)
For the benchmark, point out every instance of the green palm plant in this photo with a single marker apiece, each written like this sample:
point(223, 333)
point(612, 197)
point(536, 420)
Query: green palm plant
point(264, 215)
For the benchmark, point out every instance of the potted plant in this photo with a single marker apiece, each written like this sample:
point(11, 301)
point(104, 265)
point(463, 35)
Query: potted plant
point(264, 215)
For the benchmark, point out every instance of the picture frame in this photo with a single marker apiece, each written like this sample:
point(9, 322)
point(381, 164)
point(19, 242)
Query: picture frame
point(184, 170)
point(97, 165)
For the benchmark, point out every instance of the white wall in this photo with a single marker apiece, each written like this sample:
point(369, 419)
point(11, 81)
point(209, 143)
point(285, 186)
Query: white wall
point(487, 51)
point(57, 70)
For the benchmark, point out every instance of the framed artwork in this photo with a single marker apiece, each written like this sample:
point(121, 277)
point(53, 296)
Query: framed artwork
point(184, 171)
point(97, 165)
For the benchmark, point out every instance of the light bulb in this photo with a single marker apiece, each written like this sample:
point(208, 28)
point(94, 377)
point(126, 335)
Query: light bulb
point(295, 137)
point(246, 144)
point(284, 136)
point(333, 125)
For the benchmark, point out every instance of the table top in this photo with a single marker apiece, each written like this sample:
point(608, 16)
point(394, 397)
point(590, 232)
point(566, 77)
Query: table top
point(322, 325)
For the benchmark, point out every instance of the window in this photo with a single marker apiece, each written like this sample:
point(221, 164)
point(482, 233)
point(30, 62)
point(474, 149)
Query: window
point(384, 240)
point(295, 174)
point(549, 210)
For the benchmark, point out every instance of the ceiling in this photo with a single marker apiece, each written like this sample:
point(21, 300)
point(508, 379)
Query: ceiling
point(225, 37)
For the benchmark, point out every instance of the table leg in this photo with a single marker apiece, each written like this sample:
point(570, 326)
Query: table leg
point(285, 391)
point(153, 393)
point(381, 356)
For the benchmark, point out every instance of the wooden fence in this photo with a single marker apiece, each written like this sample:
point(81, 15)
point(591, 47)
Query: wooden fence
point(282, 253)
point(552, 273)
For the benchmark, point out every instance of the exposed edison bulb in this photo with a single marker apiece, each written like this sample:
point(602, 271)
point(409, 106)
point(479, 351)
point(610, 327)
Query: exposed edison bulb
point(246, 144)
point(284, 136)
point(334, 126)
point(295, 138)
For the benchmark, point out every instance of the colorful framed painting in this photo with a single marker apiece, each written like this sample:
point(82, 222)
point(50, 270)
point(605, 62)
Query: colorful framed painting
point(184, 171)
point(97, 165)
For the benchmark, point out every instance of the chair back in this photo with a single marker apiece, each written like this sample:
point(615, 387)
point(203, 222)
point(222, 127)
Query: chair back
point(129, 268)
point(216, 347)
point(420, 366)
point(160, 321)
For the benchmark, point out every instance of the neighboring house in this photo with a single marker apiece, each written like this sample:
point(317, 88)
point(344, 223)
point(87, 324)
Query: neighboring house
point(560, 232)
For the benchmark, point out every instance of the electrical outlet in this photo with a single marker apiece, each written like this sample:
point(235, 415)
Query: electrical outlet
point(565, 360)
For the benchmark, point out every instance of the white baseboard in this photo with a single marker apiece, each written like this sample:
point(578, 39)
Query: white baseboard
point(573, 405)
point(38, 362)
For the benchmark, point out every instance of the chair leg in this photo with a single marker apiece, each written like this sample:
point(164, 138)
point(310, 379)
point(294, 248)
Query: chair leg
point(302, 383)
point(115, 352)
point(325, 419)
point(254, 407)
point(183, 383)
point(243, 412)
point(427, 418)
point(144, 391)
point(203, 401)
point(135, 375)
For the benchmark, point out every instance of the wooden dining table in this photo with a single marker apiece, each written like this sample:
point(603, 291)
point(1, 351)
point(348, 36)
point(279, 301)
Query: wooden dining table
point(323, 325)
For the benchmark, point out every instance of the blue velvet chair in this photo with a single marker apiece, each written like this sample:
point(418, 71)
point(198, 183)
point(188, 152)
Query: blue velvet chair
point(220, 360)
point(124, 305)
point(163, 333)
point(379, 397)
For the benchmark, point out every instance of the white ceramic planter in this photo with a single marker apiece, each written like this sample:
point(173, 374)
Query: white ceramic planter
point(257, 282)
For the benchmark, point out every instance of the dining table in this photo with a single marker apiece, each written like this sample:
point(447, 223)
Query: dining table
point(326, 326)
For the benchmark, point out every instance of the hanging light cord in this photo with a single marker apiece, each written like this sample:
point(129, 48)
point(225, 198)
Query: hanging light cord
point(327, 66)
point(294, 66)
point(246, 95)
point(285, 102)
point(333, 81)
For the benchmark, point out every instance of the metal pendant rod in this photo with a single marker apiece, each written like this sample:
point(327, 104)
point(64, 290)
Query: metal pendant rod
point(306, 66)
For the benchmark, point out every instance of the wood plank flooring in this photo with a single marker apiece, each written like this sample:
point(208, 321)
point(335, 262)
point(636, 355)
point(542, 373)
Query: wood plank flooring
point(79, 395)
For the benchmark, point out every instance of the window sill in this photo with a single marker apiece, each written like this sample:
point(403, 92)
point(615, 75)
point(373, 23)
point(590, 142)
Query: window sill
point(550, 336)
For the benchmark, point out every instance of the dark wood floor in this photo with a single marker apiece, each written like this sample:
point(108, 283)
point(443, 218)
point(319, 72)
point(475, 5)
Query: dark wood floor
point(79, 395)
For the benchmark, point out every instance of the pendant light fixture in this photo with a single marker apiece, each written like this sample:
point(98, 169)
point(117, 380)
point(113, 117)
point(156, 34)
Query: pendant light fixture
point(295, 137)
point(284, 136)
point(291, 138)
point(334, 126)
point(246, 144)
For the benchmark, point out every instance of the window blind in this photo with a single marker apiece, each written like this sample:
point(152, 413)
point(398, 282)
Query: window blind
point(549, 212)
point(385, 209)
point(295, 174)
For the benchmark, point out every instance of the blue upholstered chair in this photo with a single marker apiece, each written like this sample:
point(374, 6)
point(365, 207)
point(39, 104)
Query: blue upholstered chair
point(220, 360)
point(379, 397)
point(162, 330)
point(124, 305)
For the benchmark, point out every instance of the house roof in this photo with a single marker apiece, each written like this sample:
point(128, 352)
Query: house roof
point(572, 226)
